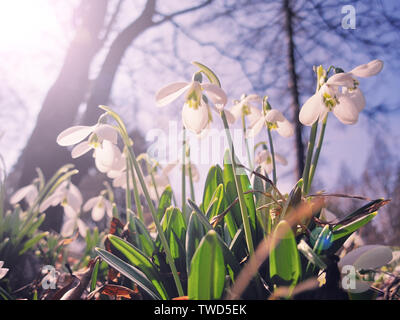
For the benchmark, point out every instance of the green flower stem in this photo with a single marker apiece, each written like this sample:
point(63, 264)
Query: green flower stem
point(246, 141)
point(184, 174)
point(310, 148)
point(153, 180)
point(311, 142)
point(128, 196)
point(192, 193)
point(267, 107)
point(164, 241)
point(127, 142)
point(128, 200)
point(271, 148)
point(317, 153)
point(136, 196)
point(243, 208)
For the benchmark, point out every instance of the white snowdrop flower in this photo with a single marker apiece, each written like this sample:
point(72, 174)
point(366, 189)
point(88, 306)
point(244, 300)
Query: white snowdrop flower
point(108, 157)
point(67, 195)
point(102, 139)
point(70, 224)
point(341, 95)
point(264, 159)
point(98, 133)
point(29, 193)
point(99, 206)
point(3, 271)
point(275, 120)
point(195, 112)
point(244, 107)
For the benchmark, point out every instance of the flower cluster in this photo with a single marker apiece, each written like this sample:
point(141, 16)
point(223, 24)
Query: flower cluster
point(341, 95)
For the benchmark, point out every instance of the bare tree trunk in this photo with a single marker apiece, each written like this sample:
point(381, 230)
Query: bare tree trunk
point(102, 86)
point(61, 104)
point(294, 92)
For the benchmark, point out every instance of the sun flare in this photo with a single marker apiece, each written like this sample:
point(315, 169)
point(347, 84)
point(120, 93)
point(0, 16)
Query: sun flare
point(24, 24)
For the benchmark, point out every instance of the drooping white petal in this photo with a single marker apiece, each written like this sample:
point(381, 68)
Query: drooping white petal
point(350, 105)
point(98, 211)
point(356, 96)
point(89, 204)
point(109, 208)
point(195, 120)
point(74, 135)
point(285, 128)
point(3, 271)
point(112, 174)
point(119, 164)
point(106, 132)
point(120, 181)
point(311, 110)
point(32, 196)
point(74, 197)
point(369, 69)
point(341, 79)
point(23, 193)
point(82, 228)
point(104, 156)
point(70, 212)
point(205, 132)
point(119, 161)
point(254, 114)
point(274, 115)
point(262, 156)
point(216, 95)
point(255, 128)
point(68, 228)
point(236, 110)
point(80, 149)
point(100, 166)
point(52, 200)
point(252, 98)
point(171, 92)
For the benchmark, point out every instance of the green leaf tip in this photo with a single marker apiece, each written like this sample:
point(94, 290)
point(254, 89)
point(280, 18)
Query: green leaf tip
point(208, 72)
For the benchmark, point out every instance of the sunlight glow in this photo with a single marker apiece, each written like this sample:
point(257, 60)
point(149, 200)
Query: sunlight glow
point(25, 24)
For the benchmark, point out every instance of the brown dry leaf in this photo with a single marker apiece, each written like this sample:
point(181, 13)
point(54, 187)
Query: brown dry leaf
point(77, 284)
point(117, 292)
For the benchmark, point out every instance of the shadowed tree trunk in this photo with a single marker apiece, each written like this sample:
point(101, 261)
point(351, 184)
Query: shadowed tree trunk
point(293, 88)
point(62, 101)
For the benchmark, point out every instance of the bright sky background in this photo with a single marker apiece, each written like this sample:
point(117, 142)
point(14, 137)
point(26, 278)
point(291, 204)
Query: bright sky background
point(35, 34)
